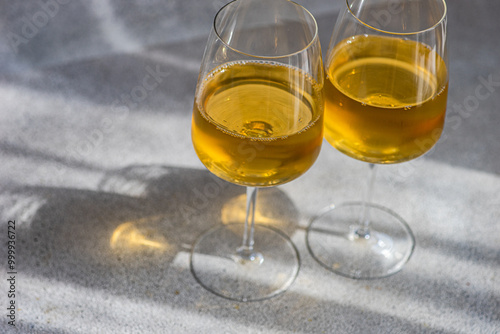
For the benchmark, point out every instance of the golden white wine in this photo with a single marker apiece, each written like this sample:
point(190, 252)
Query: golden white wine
point(258, 123)
point(385, 98)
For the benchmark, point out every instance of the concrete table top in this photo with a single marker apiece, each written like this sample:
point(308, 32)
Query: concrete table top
point(92, 161)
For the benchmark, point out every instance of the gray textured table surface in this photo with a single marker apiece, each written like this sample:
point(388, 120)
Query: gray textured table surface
point(81, 160)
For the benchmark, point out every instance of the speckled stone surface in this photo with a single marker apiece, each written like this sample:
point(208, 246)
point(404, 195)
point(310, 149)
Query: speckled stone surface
point(86, 169)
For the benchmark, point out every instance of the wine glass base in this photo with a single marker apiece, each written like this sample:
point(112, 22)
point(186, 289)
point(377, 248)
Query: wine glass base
point(218, 265)
point(333, 240)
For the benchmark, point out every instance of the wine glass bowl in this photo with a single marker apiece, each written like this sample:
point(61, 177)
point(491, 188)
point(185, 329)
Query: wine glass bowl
point(257, 122)
point(256, 147)
point(372, 119)
point(386, 85)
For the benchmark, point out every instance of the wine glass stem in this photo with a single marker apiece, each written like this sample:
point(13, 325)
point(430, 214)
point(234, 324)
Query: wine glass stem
point(246, 251)
point(363, 231)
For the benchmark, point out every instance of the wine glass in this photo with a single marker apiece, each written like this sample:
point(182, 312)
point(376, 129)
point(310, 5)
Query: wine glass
point(386, 89)
point(257, 122)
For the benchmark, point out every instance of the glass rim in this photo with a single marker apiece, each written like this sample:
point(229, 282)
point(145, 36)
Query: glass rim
point(439, 22)
point(313, 39)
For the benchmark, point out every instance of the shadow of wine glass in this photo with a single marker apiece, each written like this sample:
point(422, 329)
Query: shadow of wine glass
point(125, 237)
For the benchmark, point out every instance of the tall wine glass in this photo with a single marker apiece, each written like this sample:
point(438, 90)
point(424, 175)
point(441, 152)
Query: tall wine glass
point(386, 90)
point(257, 122)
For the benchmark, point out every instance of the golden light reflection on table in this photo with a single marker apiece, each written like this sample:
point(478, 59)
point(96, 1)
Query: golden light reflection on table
point(234, 211)
point(137, 236)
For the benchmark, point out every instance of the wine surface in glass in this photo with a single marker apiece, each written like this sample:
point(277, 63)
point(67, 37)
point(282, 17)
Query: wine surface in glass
point(258, 123)
point(385, 98)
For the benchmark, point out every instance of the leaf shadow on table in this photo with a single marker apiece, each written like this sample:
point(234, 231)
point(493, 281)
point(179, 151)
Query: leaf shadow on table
point(154, 79)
